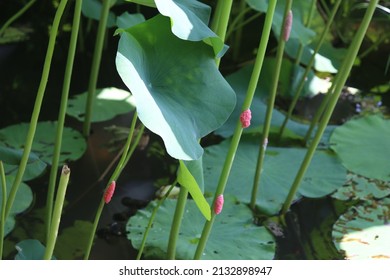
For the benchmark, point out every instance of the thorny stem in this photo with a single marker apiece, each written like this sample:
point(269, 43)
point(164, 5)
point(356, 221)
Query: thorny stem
point(343, 74)
point(238, 129)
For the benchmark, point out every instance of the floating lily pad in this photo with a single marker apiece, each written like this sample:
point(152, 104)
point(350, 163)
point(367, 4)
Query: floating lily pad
point(233, 237)
point(363, 232)
point(190, 21)
point(73, 143)
point(30, 249)
point(23, 200)
point(324, 176)
point(109, 103)
point(361, 188)
point(11, 159)
point(363, 146)
point(179, 92)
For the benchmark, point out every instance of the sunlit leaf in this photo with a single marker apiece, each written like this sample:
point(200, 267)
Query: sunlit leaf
point(179, 92)
point(109, 103)
point(363, 232)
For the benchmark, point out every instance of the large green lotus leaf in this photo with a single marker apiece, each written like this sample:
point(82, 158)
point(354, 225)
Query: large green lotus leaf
point(190, 21)
point(239, 82)
point(73, 143)
point(363, 146)
point(179, 92)
point(23, 200)
point(11, 159)
point(30, 249)
point(363, 232)
point(324, 176)
point(109, 103)
point(233, 237)
point(361, 188)
point(127, 20)
point(298, 30)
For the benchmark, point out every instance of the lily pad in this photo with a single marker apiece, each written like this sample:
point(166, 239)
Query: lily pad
point(109, 103)
point(73, 143)
point(233, 237)
point(363, 232)
point(11, 159)
point(324, 176)
point(23, 200)
point(363, 146)
point(361, 188)
point(30, 249)
point(190, 21)
point(179, 92)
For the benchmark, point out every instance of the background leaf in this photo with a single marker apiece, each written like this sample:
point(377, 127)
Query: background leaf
point(73, 143)
point(179, 92)
point(30, 249)
point(363, 146)
point(109, 103)
point(363, 232)
point(324, 176)
point(234, 236)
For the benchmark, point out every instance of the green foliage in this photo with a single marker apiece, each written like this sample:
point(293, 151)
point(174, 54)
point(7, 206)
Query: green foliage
point(234, 235)
point(363, 146)
point(179, 92)
point(109, 103)
point(30, 249)
point(280, 168)
point(73, 143)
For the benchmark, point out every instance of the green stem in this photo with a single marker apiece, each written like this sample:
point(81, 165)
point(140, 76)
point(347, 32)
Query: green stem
point(37, 107)
point(177, 218)
point(346, 68)
point(238, 129)
point(225, 7)
point(2, 210)
point(308, 69)
point(97, 56)
point(55, 223)
point(238, 33)
point(151, 220)
point(270, 107)
point(16, 16)
point(127, 152)
point(62, 113)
